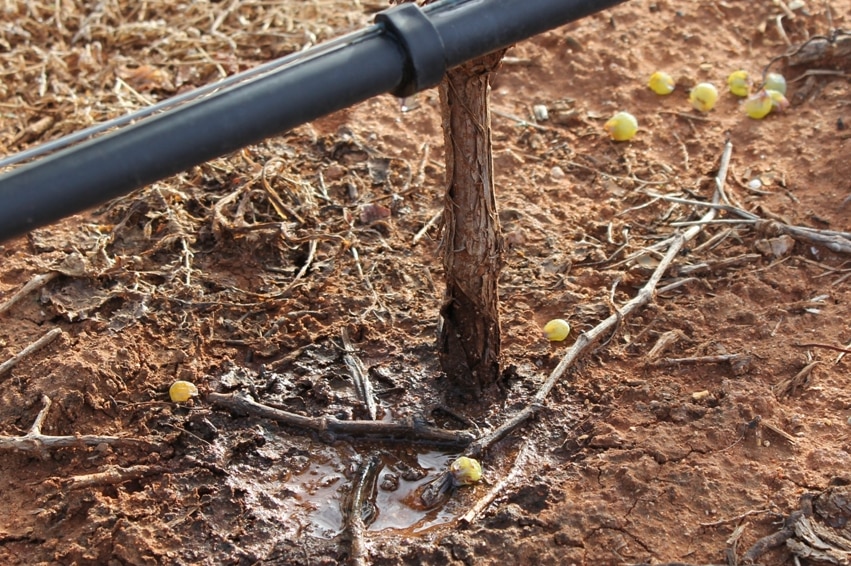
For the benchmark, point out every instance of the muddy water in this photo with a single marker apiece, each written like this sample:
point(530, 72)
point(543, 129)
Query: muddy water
point(304, 493)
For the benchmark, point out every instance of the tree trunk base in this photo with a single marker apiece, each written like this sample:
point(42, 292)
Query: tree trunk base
point(469, 345)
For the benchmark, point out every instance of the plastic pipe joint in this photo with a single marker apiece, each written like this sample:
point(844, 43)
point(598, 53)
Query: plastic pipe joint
point(425, 61)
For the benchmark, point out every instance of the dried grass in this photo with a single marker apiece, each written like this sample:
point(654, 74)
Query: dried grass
point(73, 64)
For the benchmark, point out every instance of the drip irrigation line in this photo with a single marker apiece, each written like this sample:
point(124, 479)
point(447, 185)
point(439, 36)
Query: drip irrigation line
point(407, 50)
point(174, 101)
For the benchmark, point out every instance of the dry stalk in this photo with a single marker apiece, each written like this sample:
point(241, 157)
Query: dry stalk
point(791, 385)
point(517, 469)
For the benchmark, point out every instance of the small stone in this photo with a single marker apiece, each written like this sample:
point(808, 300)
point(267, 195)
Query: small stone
point(557, 173)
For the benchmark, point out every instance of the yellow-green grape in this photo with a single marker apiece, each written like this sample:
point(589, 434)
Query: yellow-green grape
point(778, 101)
point(775, 81)
point(181, 391)
point(556, 330)
point(466, 471)
point(739, 83)
point(758, 105)
point(661, 83)
point(703, 97)
point(622, 126)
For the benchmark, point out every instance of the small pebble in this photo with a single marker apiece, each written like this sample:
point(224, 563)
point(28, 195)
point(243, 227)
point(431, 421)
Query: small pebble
point(541, 113)
point(557, 172)
point(755, 184)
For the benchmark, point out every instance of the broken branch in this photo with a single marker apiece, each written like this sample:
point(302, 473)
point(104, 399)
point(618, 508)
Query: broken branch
point(36, 442)
point(410, 430)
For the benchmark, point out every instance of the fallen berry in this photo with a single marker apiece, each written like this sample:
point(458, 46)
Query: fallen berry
point(661, 83)
point(466, 471)
point(739, 83)
point(758, 105)
point(181, 391)
point(775, 81)
point(703, 97)
point(622, 126)
point(556, 330)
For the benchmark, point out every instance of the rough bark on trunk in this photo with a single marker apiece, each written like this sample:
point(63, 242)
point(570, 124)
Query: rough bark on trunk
point(469, 343)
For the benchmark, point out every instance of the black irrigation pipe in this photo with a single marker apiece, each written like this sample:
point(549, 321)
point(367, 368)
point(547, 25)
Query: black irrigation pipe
point(407, 50)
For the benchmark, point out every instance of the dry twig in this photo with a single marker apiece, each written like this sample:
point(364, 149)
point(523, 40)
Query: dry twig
point(424, 230)
point(363, 386)
point(113, 475)
point(517, 469)
point(33, 284)
point(411, 430)
point(37, 443)
point(49, 337)
point(791, 385)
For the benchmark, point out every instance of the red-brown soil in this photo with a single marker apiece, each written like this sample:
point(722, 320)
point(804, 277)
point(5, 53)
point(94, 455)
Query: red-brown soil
point(631, 460)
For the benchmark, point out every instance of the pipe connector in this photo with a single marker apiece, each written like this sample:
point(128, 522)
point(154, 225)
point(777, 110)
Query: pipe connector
point(425, 64)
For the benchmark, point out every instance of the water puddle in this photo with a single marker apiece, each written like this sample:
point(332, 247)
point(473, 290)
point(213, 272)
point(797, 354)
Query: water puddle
point(317, 493)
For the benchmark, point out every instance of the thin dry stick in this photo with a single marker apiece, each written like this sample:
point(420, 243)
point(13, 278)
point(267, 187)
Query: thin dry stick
point(836, 241)
point(363, 386)
point(516, 470)
point(719, 359)
point(33, 284)
point(842, 355)
point(732, 549)
point(36, 442)
point(665, 341)
point(720, 264)
point(789, 386)
point(827, 346)
point(735, 519)
point(419, 177)
point(311, 253)
point(113, 475)
point(779, 432)
point(431, 222)
point(411, 430)
point(49, 337)
point(675, 285)
point(519, 121)
point(277, 203)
